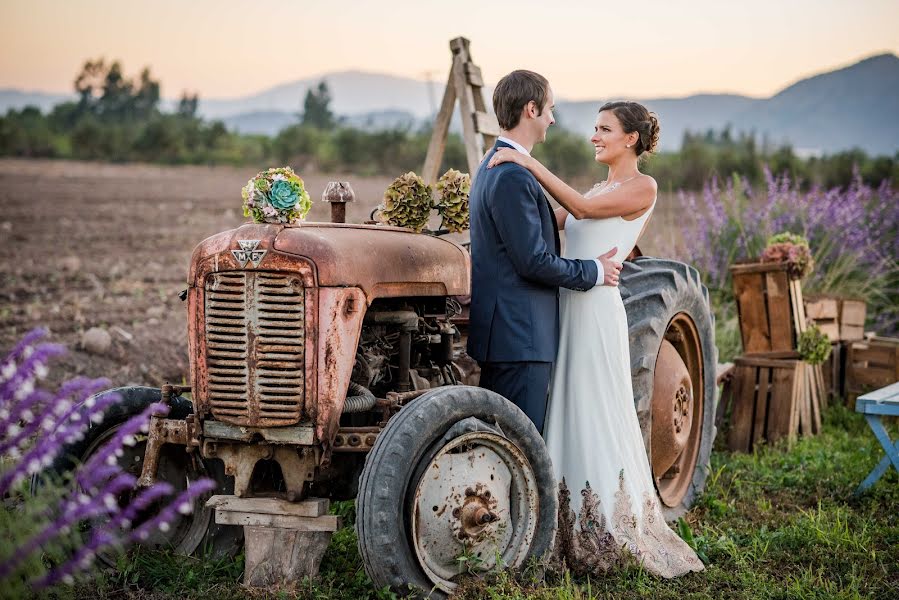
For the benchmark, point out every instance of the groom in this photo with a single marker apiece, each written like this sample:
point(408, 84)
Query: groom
point(516, 270)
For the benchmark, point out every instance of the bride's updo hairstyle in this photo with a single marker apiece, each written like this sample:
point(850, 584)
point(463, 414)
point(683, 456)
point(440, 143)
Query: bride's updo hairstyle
point(633, 116)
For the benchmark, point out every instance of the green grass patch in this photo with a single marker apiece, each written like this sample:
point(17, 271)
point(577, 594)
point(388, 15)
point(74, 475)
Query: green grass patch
point(778, 523)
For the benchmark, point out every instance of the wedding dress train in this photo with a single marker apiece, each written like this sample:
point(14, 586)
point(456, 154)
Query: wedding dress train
point(592, 432)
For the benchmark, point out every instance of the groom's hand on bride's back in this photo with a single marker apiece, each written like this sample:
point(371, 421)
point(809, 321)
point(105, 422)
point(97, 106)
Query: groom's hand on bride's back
point(611, 268)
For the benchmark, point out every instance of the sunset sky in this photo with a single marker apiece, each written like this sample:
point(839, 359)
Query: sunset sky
point(587, 48)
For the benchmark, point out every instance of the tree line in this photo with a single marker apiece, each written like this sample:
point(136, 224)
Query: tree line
point(118, 119)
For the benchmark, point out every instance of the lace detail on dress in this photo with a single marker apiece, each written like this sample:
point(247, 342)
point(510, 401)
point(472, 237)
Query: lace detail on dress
point(587, 544)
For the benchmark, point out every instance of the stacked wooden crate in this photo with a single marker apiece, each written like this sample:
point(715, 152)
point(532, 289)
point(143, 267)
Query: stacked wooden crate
point(773, 393)
point(871, 364)
point(843, 321)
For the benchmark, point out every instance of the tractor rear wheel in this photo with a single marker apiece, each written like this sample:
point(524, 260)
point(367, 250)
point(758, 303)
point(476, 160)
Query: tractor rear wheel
point(673, 360)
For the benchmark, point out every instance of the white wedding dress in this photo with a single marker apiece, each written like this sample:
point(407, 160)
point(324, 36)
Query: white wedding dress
point(592, 432)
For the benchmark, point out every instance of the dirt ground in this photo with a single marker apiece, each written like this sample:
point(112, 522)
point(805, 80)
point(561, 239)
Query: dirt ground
point(98, 245)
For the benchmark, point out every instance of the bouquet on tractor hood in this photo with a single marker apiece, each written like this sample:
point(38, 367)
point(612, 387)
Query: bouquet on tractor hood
point(792, 249)
point(407, 202)
point(276, 196)
point(454, 188)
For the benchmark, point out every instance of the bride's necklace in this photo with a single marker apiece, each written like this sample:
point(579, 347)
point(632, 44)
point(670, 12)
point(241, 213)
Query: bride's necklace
point(606, 183)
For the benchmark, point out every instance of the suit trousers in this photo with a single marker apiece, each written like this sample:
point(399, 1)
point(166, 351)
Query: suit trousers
point(526, 384)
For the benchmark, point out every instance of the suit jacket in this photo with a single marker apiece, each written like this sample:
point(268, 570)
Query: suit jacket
point(516, 270)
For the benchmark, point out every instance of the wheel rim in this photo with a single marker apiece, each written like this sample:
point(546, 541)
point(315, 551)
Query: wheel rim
point(476, 505)
point(678, 403)
point(184, 535)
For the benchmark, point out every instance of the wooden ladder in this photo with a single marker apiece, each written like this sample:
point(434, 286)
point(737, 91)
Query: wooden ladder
point(479, 127)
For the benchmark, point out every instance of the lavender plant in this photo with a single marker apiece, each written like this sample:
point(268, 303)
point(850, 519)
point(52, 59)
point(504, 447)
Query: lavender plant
point(44, 543)
point(853, 233)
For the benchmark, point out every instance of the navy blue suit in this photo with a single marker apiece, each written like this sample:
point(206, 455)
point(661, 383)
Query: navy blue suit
point(516, 273)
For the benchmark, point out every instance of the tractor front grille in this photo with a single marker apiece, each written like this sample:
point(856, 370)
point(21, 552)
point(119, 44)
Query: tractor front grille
point(255, 344)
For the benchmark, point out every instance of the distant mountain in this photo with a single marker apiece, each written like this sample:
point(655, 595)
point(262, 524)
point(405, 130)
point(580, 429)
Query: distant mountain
point(17, 99)
point(855, 106)
point(264, 122)
point(353, 92)
point(676, 115)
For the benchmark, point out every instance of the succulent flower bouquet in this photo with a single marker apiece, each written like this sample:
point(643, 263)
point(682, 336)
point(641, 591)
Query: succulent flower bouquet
point(276, 196)
point(408, 202)
point(792, 249)
point(454, 188)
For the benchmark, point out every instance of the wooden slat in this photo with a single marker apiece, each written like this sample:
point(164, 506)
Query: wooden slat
point(782, 411)
point(473, 75)
point(799, 320)
point(853, 312)
point(872, 377)
point(751, 308)
point(805, 400)
point(761, 361)
point(486, 123)
point(437, 145)
point(740, 432)
point(762, 400)
point(323, 523)
point(474, 145)
point(311, 507)
point(852, 332)
point(757, 268)
point(777, 292)
point(871, 354)
point(798, 392)
point(829, 328)
point(819, 397)
point(822, 309)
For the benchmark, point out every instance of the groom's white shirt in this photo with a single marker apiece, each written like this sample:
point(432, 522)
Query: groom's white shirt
point(600, 272)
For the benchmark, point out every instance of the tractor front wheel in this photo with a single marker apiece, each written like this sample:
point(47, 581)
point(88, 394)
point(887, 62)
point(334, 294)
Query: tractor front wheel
point(459, 482)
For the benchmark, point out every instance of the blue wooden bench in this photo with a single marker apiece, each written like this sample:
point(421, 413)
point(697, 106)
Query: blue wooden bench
point(874, 405)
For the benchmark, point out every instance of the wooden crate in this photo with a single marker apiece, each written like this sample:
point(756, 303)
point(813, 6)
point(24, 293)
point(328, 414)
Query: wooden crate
point(852, 319)
point(769, 305)
point(870, 364)
point(824, 311)
point(834, 371)
point(772, 397)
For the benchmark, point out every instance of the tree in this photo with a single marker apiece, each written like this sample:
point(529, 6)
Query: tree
point(316, 108)
point(187, 106)
point(105, 92)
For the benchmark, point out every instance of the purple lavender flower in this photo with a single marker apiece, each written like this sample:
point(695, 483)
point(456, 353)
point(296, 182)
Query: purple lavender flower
point(37, 425)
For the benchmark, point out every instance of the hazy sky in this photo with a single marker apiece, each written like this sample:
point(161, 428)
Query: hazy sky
point(587, 48)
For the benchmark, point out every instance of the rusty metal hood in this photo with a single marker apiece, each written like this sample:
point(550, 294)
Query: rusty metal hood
point(382, 261)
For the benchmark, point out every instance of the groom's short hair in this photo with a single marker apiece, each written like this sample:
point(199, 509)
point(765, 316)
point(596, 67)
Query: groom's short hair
point(512, 94)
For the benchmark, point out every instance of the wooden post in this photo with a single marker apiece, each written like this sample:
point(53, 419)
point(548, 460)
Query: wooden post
point(479, 128)
point(284, 541)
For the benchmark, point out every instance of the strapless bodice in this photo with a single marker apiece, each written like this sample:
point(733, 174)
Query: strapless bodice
point(589, 238)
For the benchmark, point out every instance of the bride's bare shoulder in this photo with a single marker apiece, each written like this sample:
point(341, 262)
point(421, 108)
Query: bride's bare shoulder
point(647, 181)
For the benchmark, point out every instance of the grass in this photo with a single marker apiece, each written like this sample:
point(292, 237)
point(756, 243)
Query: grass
point(777, 523)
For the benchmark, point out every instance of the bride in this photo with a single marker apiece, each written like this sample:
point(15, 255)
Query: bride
point(591, 430)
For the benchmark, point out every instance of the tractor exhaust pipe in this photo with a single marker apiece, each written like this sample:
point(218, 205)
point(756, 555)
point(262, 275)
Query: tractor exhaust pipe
point(338, 193)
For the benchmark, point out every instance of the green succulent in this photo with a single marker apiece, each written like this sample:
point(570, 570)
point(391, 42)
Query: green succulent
point(407, 202)
point(454, 188)
point(814, 345)
point(786, 237)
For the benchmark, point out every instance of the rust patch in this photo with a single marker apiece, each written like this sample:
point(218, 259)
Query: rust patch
point(339, 331)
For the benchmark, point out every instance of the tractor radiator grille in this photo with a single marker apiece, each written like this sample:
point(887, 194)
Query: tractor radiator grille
point(255, 341)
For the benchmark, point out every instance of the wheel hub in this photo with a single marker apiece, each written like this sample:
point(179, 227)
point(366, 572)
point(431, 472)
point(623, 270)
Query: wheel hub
point(475, 508)
point(677, 408)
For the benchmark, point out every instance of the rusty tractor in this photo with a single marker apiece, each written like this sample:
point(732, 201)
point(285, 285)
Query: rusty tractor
point(327, 361)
